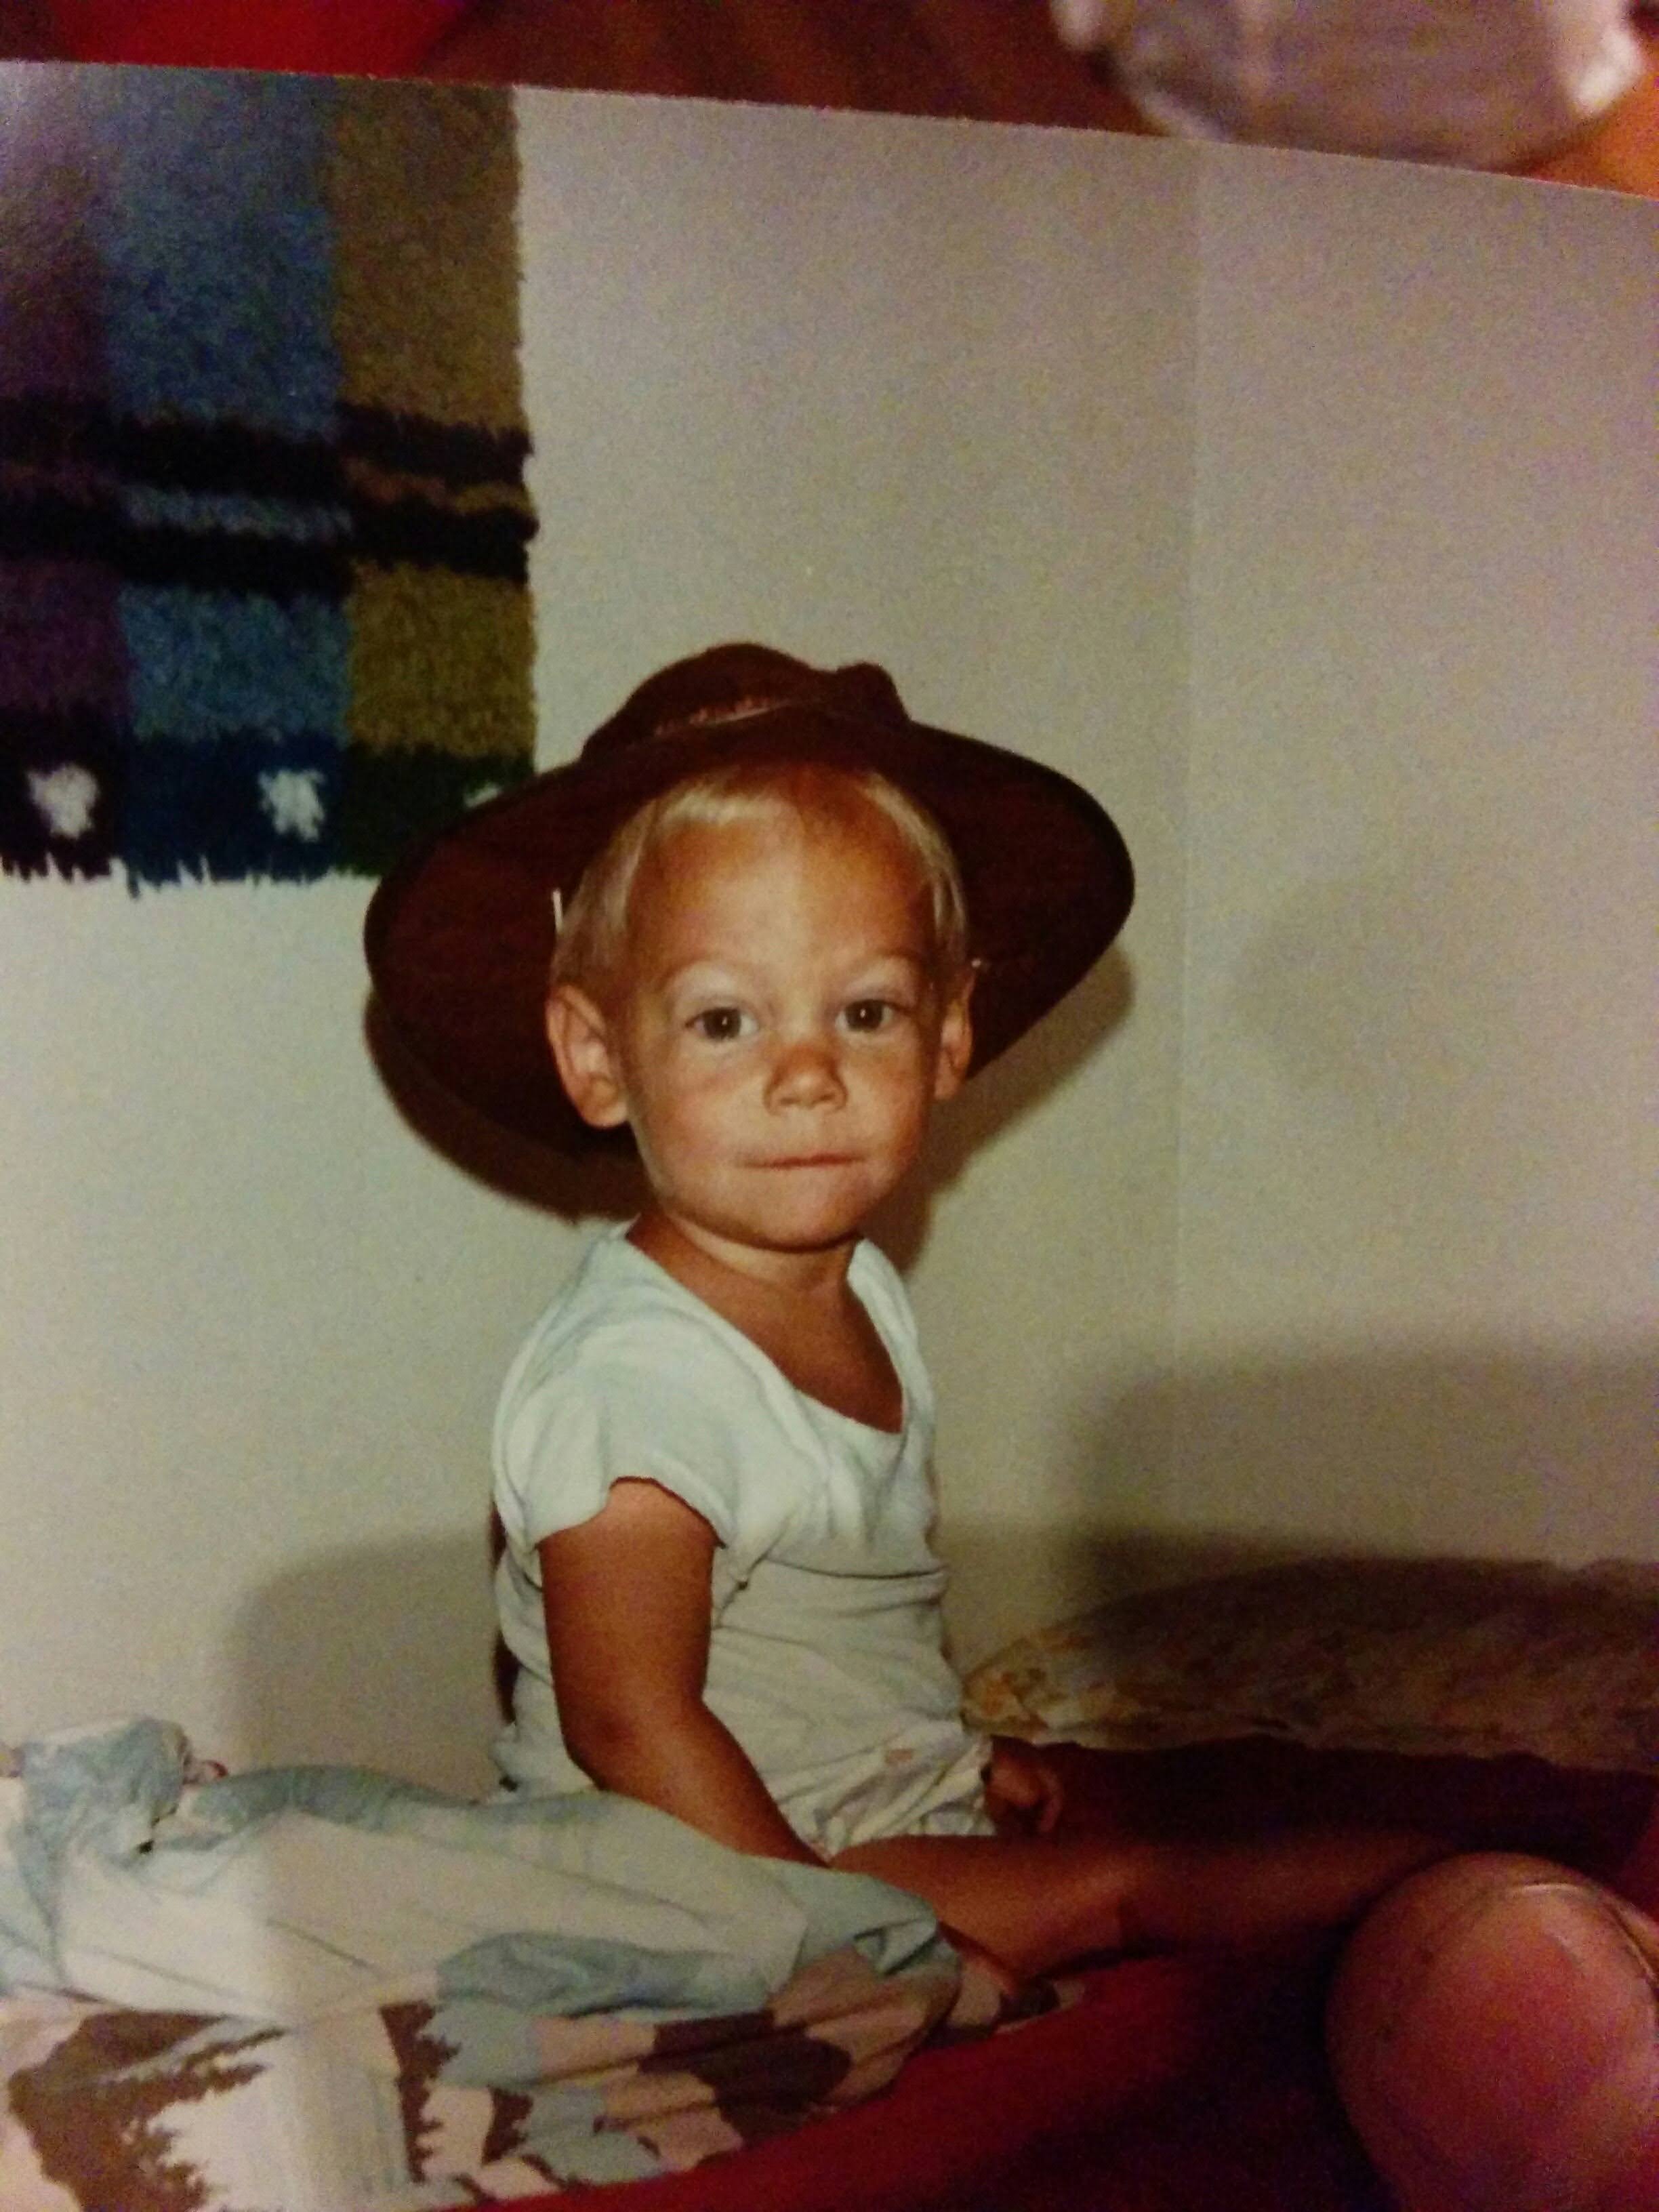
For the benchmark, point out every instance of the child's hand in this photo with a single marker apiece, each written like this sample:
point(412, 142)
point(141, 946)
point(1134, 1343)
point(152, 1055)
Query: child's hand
point(1023, 1789)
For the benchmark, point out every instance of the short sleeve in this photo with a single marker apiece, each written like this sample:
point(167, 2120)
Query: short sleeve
point(660, 1401)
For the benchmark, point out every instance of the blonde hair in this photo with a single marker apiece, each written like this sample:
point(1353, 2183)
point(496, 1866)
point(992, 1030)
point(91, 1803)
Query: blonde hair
point(593, 931)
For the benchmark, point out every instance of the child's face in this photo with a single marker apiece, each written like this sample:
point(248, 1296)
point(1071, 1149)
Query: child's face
point(781, 1030)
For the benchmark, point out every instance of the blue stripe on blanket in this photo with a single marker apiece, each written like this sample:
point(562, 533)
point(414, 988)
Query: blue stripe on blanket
point(210, 663)
point(216, 248)
point(154, 506)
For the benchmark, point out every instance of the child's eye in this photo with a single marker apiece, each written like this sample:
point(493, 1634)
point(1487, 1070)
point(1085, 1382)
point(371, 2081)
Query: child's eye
point(722, 1025)
point(866, 1014)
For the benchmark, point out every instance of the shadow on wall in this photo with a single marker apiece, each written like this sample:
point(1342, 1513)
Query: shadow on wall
point(1473, 1449)
point(1477, 1453)
point(1042, 1063)
point(379, 1657)
point(384, 1657)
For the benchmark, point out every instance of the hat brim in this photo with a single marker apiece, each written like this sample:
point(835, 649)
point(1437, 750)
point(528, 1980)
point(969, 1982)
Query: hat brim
point(460, 934)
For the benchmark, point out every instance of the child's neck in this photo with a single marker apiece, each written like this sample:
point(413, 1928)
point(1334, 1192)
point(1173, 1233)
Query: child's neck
point(803, 1314)
point(719, 1271)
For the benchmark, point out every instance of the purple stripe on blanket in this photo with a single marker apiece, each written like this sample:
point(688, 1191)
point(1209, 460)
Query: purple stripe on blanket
point(50, 327)
point(63, 664)
point(60, 638)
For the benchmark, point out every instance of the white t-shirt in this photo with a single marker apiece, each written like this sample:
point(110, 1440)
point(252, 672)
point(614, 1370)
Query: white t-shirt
point(826, 1659)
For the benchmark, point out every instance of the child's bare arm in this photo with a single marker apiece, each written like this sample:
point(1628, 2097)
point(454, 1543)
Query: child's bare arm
point(626, 1597)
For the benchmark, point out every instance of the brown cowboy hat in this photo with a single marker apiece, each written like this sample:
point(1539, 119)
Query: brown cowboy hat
point(460, 934)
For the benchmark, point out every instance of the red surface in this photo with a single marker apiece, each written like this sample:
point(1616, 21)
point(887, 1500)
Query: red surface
point(960, 2121)
point(1181, 2083)
point(351, 38)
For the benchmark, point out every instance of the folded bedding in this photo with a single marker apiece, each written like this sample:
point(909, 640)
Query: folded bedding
point(313, 1988)
point(317, 1990)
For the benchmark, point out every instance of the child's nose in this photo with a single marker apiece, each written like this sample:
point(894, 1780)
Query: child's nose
point(806, 1072)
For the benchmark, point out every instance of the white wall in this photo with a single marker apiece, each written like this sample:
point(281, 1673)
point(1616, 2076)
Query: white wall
point(927, 392)
point(250, 1324)
point(1417, 1298)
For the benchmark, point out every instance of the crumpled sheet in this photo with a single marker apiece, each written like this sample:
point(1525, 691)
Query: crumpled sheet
point(317, 1990)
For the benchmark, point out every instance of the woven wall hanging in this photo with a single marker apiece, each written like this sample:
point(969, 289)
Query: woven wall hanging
point(263, 528)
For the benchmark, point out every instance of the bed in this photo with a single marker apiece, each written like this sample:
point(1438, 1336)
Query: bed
point(807, 2047)
point(1177, 2083)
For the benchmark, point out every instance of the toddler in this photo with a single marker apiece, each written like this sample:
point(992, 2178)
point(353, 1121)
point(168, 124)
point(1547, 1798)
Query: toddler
point(789, 920)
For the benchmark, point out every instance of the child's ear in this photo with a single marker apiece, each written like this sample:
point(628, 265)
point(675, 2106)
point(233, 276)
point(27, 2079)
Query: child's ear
point(956, 1039)
point(580, 1039)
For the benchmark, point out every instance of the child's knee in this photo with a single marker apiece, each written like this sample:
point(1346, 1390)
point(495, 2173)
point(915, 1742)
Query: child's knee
point(1495, 2034)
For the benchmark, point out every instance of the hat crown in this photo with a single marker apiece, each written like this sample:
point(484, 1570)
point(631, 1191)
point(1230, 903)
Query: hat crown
point(732, 684)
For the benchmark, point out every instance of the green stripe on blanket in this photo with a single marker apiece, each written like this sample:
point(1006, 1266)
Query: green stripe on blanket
point(423, 196)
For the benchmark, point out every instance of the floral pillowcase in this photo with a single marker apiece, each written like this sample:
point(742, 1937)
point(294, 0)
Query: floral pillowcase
point(1420, 1655)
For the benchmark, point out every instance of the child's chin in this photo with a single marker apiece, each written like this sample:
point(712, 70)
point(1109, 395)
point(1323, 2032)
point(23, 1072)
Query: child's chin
point(808, 1229)
point(814, 1232)
point(809, 1206)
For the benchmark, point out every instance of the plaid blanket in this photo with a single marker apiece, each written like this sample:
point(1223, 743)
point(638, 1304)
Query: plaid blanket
point(264, 607)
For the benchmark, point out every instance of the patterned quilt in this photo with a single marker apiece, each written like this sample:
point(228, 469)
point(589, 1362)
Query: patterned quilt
point(315, 1989)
